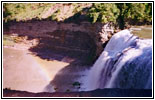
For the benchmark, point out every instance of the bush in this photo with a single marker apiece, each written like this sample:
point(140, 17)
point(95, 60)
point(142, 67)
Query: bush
point(105, 12)
point(121, 13)
point(139, 12)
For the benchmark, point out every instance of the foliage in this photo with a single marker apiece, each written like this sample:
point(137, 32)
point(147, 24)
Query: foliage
point(136, 11)
point(77, 8)
point(104, 12)
point(8, 41)
point(24, 11)
point(54, 16)
point(120, 13)
point(68, 11)
point(125, 12)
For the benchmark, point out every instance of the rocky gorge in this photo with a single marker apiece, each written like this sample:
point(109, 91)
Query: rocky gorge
point(82, 42)
point(84, 37)
point(76, 50)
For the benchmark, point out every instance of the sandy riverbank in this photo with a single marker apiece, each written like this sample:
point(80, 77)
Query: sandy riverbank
point(24, 71)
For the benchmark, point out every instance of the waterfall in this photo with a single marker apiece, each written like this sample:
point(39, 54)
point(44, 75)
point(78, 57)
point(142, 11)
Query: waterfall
point(126, 63)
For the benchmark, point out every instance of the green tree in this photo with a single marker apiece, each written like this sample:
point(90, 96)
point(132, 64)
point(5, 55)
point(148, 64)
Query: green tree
point(122, 13)
point(134, 12)
point(105, 12)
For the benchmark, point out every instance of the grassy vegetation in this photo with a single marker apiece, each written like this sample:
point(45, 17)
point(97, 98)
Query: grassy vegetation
point(8, 40)
point(62, 13)
point(28, 11)
point(118, 13)
point(24, 11)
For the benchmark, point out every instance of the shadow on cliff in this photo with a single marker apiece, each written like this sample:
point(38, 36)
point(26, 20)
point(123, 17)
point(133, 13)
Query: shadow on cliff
point(79, 60)
point(65, 78)
point(79, 54)
point(80, 48)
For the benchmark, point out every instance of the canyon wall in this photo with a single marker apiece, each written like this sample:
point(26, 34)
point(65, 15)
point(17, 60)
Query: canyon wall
point(83, 37)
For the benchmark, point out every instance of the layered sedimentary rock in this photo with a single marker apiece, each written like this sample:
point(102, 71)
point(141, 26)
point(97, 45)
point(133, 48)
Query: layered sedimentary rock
point(84, 38)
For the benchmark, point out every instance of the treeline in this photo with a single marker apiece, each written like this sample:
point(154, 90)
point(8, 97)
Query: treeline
point(118, 13)
point(122, 13)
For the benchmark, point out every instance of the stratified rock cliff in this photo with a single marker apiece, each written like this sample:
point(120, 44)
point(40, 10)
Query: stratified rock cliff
point(84, 38)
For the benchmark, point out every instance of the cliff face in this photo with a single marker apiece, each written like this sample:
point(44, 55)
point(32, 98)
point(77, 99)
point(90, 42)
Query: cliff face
point(83, 37)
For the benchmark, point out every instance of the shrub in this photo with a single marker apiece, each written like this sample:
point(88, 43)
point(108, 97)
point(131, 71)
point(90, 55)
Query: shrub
point(105, 12)
point(121, 13)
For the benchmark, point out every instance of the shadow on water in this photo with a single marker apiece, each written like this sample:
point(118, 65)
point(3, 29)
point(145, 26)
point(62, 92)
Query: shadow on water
point(67, 79)
point(78, 53)
point(79, 61)
point(78, 49)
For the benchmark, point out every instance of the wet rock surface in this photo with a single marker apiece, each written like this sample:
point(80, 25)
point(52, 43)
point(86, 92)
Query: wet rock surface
point(95, 93)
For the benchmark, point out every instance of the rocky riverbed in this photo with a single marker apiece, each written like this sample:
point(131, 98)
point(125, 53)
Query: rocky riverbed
point(96, 93)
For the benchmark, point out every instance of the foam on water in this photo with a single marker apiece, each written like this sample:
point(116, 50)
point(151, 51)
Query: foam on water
point(126, 62)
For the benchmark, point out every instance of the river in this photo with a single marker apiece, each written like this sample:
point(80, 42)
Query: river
point(143, 31)
point(24, 71)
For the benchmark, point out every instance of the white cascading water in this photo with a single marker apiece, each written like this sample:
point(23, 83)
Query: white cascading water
point(126, 62)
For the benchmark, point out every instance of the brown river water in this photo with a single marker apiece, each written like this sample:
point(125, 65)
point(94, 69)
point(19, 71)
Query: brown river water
point(24, 71)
